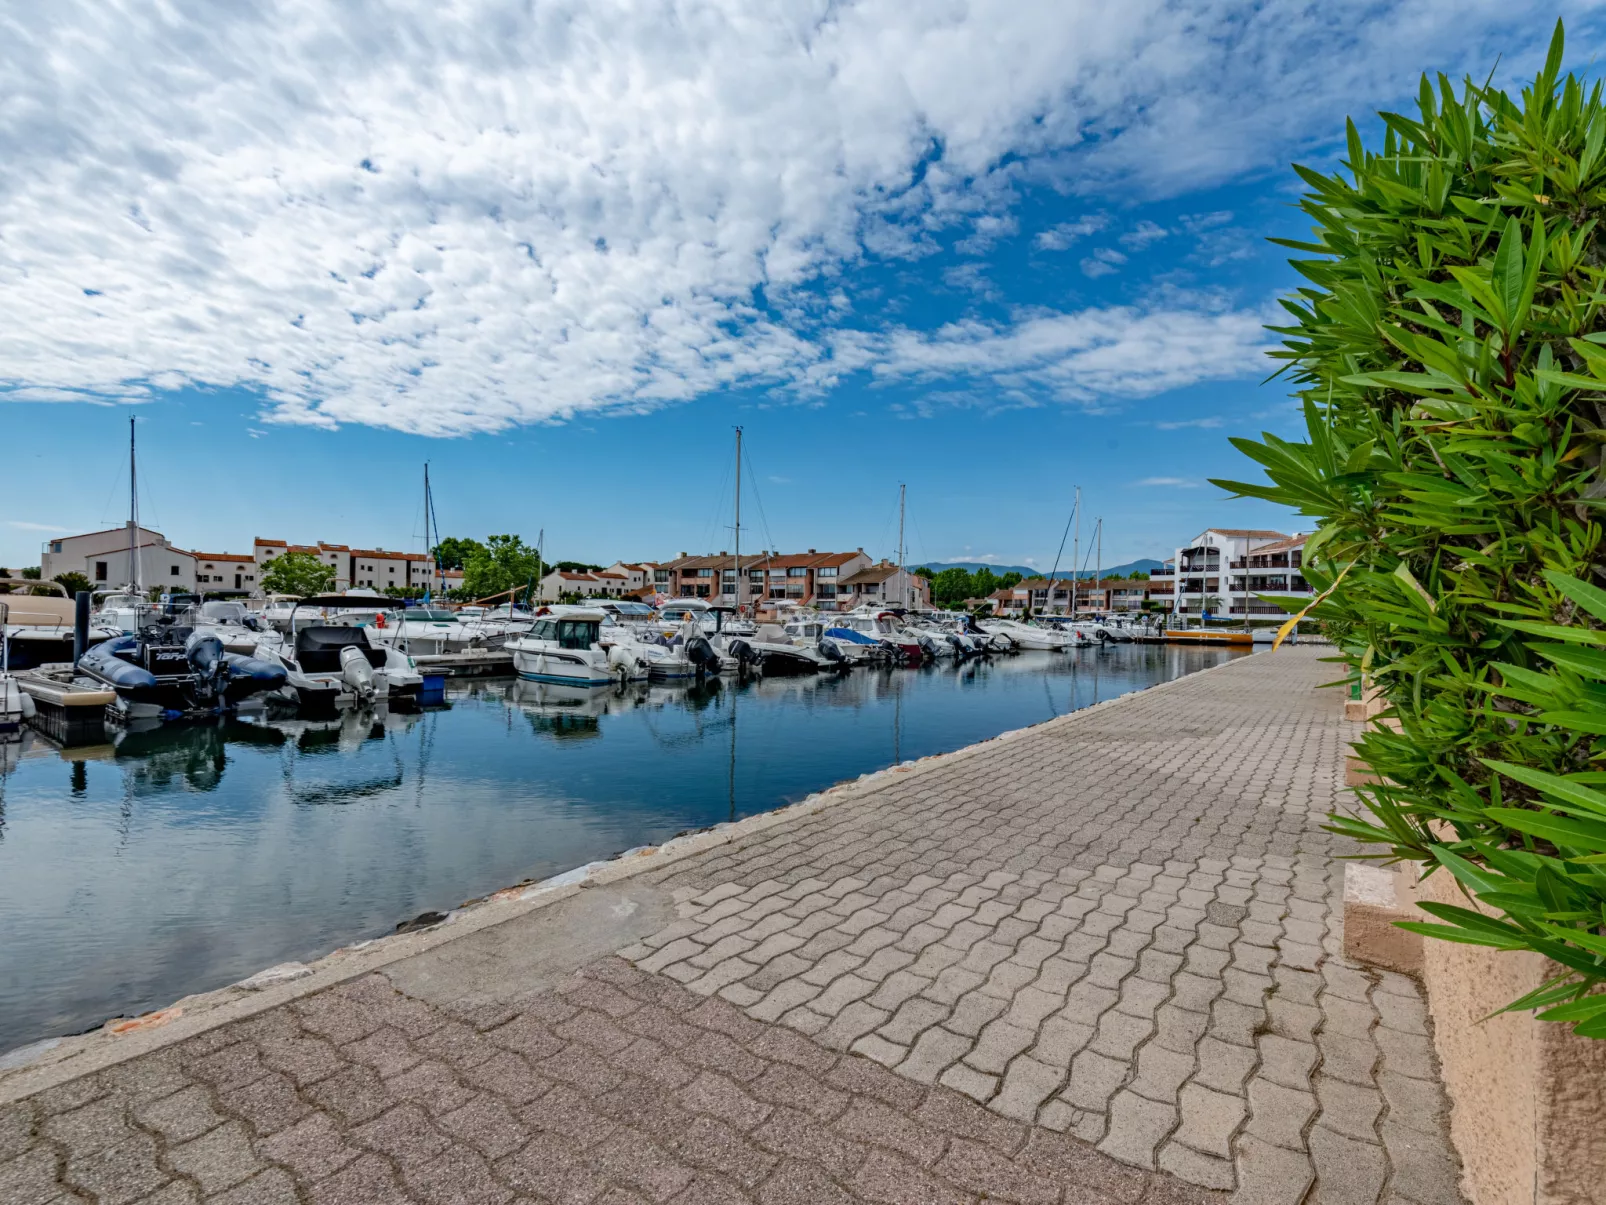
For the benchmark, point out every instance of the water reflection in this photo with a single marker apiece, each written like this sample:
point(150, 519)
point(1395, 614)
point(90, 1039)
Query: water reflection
point(184, 857)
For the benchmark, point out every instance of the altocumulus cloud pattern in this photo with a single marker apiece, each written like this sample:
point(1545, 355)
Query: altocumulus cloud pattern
point(457, 215)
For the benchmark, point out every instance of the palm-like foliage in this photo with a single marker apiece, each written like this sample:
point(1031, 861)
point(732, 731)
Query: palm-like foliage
point(1451, 354)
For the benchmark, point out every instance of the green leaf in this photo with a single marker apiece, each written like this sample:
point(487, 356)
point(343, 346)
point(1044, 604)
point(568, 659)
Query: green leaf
point(1554, 786)
point(1576, 833)
point(1508, 273)
point(1590, 598)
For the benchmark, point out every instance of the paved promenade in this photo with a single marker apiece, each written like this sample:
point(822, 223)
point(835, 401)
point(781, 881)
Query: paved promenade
point(1099, 962)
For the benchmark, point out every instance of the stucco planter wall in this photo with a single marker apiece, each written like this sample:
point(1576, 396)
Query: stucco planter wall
point(1528, 1098)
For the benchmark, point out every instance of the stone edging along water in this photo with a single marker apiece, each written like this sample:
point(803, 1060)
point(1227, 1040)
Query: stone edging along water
point(44, 1064)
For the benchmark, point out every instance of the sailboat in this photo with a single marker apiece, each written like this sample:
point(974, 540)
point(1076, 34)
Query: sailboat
point(167, 666)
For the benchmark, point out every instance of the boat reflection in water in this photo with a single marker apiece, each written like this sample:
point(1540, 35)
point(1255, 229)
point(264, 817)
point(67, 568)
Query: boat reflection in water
point(186, 856)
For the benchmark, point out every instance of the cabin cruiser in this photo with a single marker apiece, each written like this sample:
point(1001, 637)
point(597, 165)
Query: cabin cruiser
point(170, 667)
point(329, 664)
point(686, 653)
point(565, 647)
point(772, 651)
point(882, 626)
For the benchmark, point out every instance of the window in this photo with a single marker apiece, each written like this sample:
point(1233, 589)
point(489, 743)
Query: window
point(826, 590)
point(173, 571)
point(828, 571)
point(100, 571)
point(777, 572)
point(797, 572)
point(660, 575)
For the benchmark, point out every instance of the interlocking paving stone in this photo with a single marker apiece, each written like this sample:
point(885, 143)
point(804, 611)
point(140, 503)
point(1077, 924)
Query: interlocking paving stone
point(1096, 962)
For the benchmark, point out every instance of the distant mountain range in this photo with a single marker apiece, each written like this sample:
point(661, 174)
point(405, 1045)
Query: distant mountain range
point(1142, 565)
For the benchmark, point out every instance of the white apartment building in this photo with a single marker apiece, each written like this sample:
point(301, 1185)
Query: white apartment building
point(102, 557)
point(336, 556)
point(1222, 569)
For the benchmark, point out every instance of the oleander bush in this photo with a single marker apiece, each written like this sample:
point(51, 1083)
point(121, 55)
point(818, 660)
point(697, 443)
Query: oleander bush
point(1450, 351)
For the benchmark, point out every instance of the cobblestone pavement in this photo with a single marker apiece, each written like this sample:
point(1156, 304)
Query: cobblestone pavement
point(1099, 962)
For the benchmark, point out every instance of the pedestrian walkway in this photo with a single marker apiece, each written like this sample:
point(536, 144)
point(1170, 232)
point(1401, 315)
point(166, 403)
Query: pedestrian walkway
point(1098, 962)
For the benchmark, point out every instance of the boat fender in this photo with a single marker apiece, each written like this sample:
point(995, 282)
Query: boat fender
point(379, 622)
point(263, 674)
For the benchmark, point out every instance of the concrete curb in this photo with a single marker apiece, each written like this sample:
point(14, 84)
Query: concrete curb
point(41, 1065)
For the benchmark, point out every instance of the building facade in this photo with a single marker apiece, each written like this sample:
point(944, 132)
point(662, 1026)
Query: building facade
point(883, 584)
point(1221, 570)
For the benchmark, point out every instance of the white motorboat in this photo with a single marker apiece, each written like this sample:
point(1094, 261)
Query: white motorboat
point(427, 630)
point(329, 663)
point(883, 626)
point(40, 629)
point(565, 647)
point(16, 706)
point(1030, 636)
point(233, 624)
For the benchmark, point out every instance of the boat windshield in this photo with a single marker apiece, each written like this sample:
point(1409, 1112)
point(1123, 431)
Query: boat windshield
point(423, 615)
point(567, 633)
point(224, 612)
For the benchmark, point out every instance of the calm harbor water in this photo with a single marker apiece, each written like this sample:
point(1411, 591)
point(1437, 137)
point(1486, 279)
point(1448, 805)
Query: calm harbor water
point(188, 857)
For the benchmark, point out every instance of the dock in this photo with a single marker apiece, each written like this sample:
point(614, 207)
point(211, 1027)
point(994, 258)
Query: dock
point(1095, 959)
point(473, 663)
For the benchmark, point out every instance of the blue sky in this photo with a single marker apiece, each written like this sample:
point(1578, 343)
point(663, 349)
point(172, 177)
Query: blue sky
point(993, 251)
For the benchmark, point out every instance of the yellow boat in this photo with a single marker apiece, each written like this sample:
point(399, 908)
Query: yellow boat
point(1208, 636)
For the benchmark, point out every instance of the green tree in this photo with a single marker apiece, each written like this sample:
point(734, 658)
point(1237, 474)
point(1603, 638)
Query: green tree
point(502, 563)
point(72, 582)
point(298, 574)
point(1009, 580)
point(31, 573)
point(574, 567)
point(1448, 347)
point(1142, 575)
point(453, 552)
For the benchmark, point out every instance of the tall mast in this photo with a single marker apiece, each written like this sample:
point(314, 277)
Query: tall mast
point(1076, 554)
point(133, 514)
point(738, 542)
point(901, 576)
point(429, 550)
point(1098, 564)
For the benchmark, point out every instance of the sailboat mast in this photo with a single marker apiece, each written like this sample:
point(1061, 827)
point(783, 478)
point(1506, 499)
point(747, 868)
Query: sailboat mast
point(902, 489)
point(133, 513)
point(1076, 554)
point(738, 586)
point(429, 551)
point(1098, 564)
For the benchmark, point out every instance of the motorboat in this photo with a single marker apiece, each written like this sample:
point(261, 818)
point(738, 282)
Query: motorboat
point(40, 628)
point(565, 647)
point(858, 648)
point(776, 653)
point(16, 706)
point(883, 626)
point(1030, 636)
point(235, 625)
point(124, 610)
point(683, 654)
point(170, 668)
point(426, 630)
point(332, 664)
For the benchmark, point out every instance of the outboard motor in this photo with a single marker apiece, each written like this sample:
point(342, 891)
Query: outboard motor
point(959, 647)
point(927, 646)
point(356, 673)
point(204, 651)
point(702, 655)
point(621, 662)
point(746, 655)
point(830, 652)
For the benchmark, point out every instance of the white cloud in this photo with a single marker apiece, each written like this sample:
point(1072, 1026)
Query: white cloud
point(461, 215)
point(1060, 237)
point(1182, 424)
point(23, 525)
point(1144, 233)
point(1174, 482)
point(1115, 351)
point(1103, 262)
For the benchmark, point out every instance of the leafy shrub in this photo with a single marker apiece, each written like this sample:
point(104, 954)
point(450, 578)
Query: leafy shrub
point(1450, 352)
